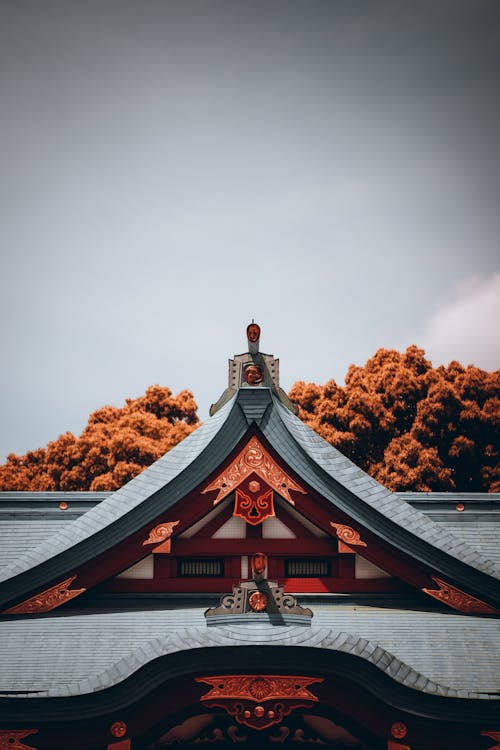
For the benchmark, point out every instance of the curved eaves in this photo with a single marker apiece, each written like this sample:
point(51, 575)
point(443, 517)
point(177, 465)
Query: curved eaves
point(374, 507)
point(134, 505)
point(192, 652)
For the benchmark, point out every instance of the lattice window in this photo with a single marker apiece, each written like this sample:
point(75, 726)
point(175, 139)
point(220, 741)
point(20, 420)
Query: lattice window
point(201, 568)
point(303, 568)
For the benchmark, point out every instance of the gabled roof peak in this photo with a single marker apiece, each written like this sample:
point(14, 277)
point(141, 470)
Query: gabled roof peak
point(253, 369)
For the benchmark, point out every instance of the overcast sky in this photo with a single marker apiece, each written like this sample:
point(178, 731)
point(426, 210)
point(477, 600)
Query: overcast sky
point(170, 169)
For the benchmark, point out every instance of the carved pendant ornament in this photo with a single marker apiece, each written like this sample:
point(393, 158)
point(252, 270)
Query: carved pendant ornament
point(457, 599)
point(46, 600)
point(254, 509)
point(11, 739)
point(253, 458)
point(258, 701)
point(160, 535)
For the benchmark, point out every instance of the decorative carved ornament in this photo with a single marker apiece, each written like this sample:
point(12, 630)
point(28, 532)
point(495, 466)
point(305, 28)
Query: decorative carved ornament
point(118, 729)
point(494, 736)
point(458, 599)
point(46, 600)
point(10, 739)
point(347, 537)
point(258, 701)
point(254, 510)
point(160, 535)
point(253, 458)
point(399, 730)
point(250, 597)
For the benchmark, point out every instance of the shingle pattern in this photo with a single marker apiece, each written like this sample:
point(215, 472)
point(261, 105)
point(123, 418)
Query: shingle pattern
point(369, 491)
point(119, 503)
point(435, 652)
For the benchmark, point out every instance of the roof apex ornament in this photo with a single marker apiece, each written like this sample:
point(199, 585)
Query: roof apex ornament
point(253, 369)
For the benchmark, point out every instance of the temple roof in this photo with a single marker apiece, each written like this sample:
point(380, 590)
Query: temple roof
point(327, 471)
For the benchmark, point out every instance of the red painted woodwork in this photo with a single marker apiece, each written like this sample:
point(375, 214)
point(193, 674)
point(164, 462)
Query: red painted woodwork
point(348, 536)
point(11, 739)
point(215, 585)
point(46, 600)
point(391, 745)
point(308, 547)
point(121, 745)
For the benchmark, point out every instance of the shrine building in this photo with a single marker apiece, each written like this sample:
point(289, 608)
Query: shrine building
point(252, 588)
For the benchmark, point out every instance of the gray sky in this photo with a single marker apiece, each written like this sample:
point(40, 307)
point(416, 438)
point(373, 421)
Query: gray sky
point(171, 169)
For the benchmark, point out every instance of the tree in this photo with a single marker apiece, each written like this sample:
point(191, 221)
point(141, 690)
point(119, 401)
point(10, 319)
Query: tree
point(115, 446)
point(409, 425)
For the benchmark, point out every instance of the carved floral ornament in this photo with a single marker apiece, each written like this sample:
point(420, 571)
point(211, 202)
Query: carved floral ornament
point(458, 599)
point(253, 458)
point(11, 739)
point(258, 701)
point(46, 600)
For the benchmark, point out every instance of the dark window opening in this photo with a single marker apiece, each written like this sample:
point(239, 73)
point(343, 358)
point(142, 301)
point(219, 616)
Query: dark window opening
point(206, 568)
point(307, 568)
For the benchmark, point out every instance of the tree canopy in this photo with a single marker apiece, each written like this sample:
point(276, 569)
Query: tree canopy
point(115, 446)
point(409, 425)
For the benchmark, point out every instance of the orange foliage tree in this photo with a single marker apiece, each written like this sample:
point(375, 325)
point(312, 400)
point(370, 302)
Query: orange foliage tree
point(409, 425)
point(115, 446)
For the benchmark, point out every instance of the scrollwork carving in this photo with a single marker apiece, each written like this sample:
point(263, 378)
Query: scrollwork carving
point(46, 600)
point(347, 535)
point(458, 599)
point(253, 458)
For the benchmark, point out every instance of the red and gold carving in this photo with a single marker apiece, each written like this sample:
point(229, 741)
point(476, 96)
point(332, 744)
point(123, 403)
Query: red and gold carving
point(118, 729)
point(253, 458)
point(458, 599)
point(494, 736)
point(399, 730)
point(258, 701)
point(160, 535)
point(46, 600)
point(258, 601)
point(254, 510)
point(347, 537)
point(11, 739)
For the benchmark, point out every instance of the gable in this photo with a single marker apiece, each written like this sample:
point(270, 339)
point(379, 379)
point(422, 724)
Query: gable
point(254, 441)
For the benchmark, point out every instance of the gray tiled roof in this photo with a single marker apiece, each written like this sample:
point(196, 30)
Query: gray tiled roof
point(322, 466)
point(119, 503)
point(435, 652)
point(378, 497)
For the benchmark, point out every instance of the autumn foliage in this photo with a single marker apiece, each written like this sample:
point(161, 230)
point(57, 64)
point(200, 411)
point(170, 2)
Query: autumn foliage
point(409, 425)
point(115, 446)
